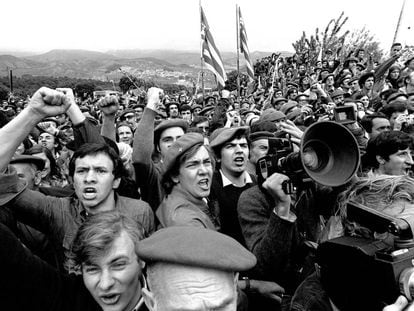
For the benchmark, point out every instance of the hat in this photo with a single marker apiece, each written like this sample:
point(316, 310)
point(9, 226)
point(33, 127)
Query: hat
point(196, 247)
point(125, 112)
point(180, 146)
point(364, 77)
point(336, 93)
point(360, 65)
point(293, 84)
point(293, 114)
point(393, 96)
point(12, 185)
point(252, 119)
point(327, 76)
point(354, 78)
point(407, 62)
point(225, 134)
point(24, 158)
point(350, 59)
point(279, 99)
point(272, 115)
point(194, 107)
point(260, 135)
point(51, 119)
point(301, 95)
point(167, 124)
point(287, 107)
point(205, 110)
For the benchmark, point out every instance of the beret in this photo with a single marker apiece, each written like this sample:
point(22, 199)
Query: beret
point(302, 95)
point(287, 107)
point(195, 107)
point(205, 110)
point(292, 84)
point(279, 99)
point(393, 96)
point(252, 119)
point(11, 186)
point(225, 134)
point(336, 93)
point(25, 158)
point(327, 76)
point(350, 59)
point(355, 78)
point(51, 119)
point(125, 112)
point(167, 124)
point(260, 135)
point(179, 147)
point(293, 114)
point(196, 247)
point(360, 65)
point(272, 115)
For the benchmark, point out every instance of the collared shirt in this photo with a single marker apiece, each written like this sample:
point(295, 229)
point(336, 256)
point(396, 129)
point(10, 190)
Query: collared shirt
point(228, 182)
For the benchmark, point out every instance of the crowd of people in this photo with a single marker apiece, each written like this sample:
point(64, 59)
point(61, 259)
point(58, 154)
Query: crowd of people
point(160, 202)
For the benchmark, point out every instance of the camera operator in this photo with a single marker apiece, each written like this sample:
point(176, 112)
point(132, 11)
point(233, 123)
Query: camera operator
point(324, 290)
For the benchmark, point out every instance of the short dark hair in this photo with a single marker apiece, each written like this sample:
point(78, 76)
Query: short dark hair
point(96, 236)
point(366, 121)
point(386, 144)
point(93, 149)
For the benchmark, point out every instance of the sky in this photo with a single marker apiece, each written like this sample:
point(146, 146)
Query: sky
point(272, 25)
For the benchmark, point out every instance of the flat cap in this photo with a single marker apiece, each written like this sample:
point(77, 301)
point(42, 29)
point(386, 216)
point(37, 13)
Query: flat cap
point(260, 135)
point(179, 147)
point(272, 115)
point(167, 124)
point(196, 247)
point(25, 158)
point(287, 107)
point(279, 99)
point(336, 93)
point(224, 134)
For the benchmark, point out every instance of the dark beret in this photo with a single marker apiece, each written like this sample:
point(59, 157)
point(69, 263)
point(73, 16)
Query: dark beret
point(125, 112)
point(279, 99)
point(205, 110)
point(179, 147)
point(195, 247)
point(39, 162)
point(224, 134)
point(272, 115)
point(260, 135)
point(167, 124)
point(195, 107)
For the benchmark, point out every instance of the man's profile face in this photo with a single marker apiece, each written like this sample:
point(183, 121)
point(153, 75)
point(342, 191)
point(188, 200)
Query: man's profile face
point(399, 163)
point(234, 155)
point(27, 172)
point(204, 126)
point(113, 278)
point(192, 289)
point(379, 125)
point(258, 149)
point(130, 119)
point(168, 137)
point(94, 182)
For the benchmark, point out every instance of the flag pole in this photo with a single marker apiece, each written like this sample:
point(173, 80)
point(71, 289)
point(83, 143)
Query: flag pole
point(238, 54)
point(201, 58)
point(398, 24)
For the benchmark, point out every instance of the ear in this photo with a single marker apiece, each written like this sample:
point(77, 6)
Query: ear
point(175, 179)
point(149, 299)
point(116, 183)
point(236, 278)
point(37, 178)
point(43, 173)
point(380, 160)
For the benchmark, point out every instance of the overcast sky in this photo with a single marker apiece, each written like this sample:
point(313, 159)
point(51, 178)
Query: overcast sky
point(272, 25)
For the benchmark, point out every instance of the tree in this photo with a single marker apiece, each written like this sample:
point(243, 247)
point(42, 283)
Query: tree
point(341, 43)
point(4, 92)
point(84, 89)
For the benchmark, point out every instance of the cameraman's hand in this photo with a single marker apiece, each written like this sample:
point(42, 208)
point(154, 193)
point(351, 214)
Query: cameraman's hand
point(295, 133)
point(273, 185)
point(109, 105)
point(48, 103)
point(267, 289)
point(398, 122)
point(155, 96)
point(401, 304)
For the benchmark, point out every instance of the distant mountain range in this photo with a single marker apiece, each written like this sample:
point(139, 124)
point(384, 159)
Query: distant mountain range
point(105, 66)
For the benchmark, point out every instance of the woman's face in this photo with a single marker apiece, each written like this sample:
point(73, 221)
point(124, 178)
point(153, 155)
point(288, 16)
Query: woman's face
point(395, 74)
point(365, 100)
point(195, 174)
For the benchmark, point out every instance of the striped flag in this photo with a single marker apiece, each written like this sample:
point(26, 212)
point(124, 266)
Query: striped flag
point(244, 48)
point(209, 52)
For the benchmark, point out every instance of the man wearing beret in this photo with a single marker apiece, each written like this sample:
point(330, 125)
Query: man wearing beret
point(192, 269)
point(129, 116)
point(148, 172)
point(259, 147)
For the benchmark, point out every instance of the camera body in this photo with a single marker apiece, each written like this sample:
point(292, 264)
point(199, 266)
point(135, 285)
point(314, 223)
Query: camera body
point(344, 114)
point(365, 274)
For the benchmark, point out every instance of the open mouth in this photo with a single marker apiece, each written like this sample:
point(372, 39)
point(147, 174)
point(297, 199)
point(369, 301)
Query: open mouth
point(89, 193)
point(110, 299)
point(239, 160)
point(204, 184)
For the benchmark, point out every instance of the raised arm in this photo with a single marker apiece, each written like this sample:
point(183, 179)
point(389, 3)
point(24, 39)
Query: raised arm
point(109, 107)
point(44, 103)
